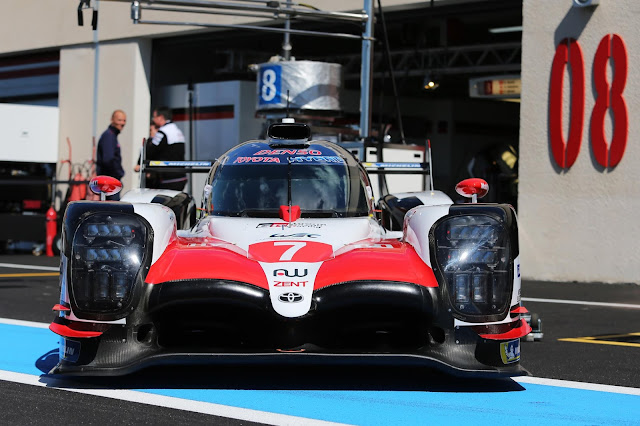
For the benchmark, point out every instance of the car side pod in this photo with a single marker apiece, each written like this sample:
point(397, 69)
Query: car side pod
point(473, 188)
point(105, 186)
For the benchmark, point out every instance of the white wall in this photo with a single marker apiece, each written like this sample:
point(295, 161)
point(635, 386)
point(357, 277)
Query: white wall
point(579, 223)
point(29, 133)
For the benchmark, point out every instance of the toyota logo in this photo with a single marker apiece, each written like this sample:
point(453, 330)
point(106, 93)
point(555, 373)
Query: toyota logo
point(290, 297)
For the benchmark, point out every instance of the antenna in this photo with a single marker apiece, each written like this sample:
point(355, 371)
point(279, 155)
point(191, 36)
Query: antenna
point(289, 185)
point(430, 164)
point(287, 104)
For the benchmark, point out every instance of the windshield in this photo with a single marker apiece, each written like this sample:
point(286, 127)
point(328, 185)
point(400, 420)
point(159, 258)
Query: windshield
point(321, 189)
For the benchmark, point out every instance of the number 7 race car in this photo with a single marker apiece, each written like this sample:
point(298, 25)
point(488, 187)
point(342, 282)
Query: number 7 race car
point(289, 264)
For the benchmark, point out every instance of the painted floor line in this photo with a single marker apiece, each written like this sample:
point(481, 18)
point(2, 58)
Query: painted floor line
point(599, 342)
point(31, 274)
point(578, 385)
point(168, 401)
point(22, 323)
point(581, 302)
point(34, 267)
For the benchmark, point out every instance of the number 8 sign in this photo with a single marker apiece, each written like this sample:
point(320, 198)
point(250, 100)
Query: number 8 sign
point(270, 84)
point(607, 97)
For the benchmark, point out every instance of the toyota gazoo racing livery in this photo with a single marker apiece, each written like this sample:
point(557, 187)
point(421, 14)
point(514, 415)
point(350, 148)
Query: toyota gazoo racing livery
point(289, 264)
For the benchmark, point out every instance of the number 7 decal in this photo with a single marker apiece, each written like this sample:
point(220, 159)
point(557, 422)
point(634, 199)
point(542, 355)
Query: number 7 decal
point(289, 253)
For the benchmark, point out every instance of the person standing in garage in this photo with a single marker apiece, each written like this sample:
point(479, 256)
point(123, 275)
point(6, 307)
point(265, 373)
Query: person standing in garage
point(108, 157)
point(169, 145)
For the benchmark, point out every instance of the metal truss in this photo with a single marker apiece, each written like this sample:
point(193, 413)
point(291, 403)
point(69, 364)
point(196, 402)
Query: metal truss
point(475, 59)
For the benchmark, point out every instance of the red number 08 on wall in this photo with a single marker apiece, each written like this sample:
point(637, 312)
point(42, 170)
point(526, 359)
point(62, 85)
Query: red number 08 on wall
point(607, 95)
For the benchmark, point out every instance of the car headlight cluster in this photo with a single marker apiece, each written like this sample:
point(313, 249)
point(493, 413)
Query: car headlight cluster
point(472, 252)
point(107, 254)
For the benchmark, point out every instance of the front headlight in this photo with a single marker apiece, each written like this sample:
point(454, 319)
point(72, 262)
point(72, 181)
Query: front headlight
point(107, 255)
point(473, 255)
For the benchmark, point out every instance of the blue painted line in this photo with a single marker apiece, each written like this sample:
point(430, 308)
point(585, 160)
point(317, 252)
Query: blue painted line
point(537, 404)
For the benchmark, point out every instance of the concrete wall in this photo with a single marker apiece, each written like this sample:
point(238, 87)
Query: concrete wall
point(123, 83)
point(578, 223)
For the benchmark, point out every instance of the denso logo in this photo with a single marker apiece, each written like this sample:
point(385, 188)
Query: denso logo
point(300, 235)
point(290, 297)
point(290, 283)
point(287, 273)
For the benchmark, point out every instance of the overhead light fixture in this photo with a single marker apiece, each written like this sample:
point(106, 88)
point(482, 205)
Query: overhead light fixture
point(501, 30)
point(430, 82)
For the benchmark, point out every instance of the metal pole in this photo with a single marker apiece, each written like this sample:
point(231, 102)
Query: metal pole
point(286, 44)
point(365, 72)
point(96, 67)
point(191, 141)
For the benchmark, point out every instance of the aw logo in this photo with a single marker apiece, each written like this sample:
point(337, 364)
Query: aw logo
point(286, 273)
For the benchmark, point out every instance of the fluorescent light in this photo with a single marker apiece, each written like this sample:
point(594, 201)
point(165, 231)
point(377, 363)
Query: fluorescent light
point(505, 30)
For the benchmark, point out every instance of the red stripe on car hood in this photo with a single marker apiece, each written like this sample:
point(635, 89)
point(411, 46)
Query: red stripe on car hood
point(400, 263)
point(206, 258)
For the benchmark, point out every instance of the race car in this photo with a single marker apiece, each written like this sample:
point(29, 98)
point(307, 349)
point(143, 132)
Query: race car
point(290, 263)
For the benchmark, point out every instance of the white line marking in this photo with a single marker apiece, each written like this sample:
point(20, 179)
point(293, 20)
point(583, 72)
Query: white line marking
point(34, 267)
point(582, 302)
point(577, 385)
point(24, 323)
point(165, 401)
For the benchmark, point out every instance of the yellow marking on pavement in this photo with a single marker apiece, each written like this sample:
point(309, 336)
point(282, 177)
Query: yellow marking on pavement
point(31, 274)
point(600, 340)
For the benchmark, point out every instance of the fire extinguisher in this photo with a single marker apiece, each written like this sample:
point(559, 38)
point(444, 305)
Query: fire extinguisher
point(78, 192)
point(52, 228)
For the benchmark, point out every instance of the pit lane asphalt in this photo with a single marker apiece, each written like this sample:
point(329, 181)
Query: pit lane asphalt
point(30, 298)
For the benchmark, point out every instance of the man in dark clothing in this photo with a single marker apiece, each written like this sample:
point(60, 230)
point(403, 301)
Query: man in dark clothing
point(108, 158)
point(167, 145)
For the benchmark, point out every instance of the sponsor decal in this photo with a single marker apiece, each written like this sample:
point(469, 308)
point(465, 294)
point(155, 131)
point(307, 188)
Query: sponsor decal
point(518, 270)
point(510, 351)
point(298, 273)
point(291, 225)
point(290, 283)
point(290, 297)
point(241, 160)
point(70, 350)
point(319, 159)
point(298, 235)
point(288, 151)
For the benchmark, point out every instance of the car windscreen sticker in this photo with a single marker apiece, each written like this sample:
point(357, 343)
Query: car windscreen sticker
point(510, 351)
point(285, 156)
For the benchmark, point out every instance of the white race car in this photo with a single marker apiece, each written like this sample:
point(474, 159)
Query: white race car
point(289, 263)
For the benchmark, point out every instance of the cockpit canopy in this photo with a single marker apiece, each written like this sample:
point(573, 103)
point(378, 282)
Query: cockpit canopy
point(254, 179)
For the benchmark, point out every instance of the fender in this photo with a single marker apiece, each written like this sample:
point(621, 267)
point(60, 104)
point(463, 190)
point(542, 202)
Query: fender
point(417, 224)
